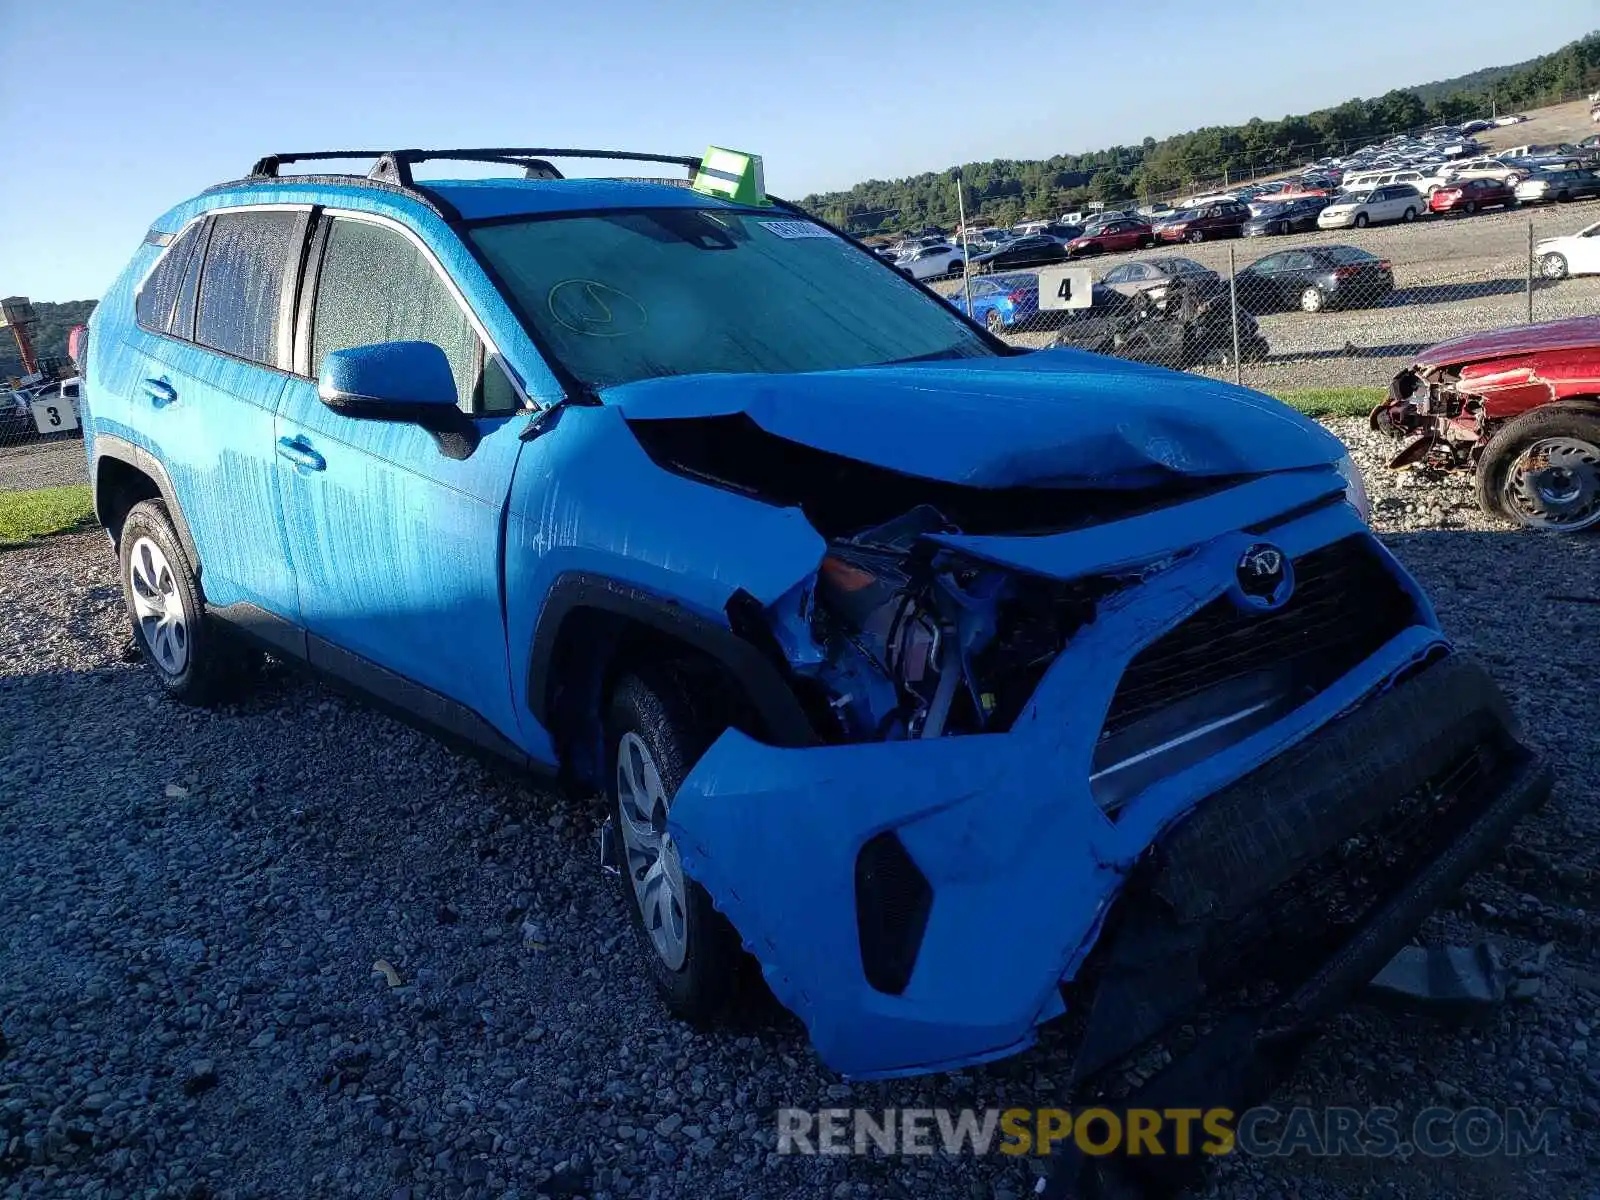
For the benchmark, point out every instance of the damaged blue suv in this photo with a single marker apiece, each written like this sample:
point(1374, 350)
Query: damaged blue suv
point(964, 689)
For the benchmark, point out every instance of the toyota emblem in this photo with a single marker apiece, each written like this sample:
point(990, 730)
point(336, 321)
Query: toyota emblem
point(1265, 577)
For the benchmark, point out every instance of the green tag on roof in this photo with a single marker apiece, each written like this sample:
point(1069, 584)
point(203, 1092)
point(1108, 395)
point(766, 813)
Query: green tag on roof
point(732, 175)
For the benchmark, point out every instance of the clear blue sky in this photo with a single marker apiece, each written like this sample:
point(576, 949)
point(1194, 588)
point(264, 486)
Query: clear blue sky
point(119, 108)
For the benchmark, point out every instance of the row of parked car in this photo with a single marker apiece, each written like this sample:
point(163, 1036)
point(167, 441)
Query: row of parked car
point(1440, 171)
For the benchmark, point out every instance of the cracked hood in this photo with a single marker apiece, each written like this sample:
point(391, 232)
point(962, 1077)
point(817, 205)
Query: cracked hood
point(1061, 418)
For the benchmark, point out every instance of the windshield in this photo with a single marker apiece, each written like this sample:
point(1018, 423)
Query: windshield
point(624, 296)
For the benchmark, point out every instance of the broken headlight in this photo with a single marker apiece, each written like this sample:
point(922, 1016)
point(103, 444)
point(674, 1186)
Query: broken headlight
point(1355, 488)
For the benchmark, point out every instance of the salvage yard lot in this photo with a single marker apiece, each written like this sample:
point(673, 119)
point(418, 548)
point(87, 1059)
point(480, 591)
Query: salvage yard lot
point(195, 903)
point(1453, 275)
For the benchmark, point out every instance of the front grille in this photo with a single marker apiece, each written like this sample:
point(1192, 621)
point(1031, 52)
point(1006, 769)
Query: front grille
point(1310, 915)
point(1346, 604)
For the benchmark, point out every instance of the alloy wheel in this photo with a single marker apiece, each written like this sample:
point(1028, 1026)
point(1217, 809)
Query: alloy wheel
point(158, 606)
point(653, 865)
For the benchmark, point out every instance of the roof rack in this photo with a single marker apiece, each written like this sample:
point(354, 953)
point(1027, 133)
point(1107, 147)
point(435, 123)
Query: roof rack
point(394, 166)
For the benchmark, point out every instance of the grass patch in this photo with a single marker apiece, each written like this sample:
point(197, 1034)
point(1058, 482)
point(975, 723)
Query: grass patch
point(25, 515)
point(1332, 402)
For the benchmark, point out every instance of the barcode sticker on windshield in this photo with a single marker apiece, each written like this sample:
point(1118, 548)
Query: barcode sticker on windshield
point(796, 229)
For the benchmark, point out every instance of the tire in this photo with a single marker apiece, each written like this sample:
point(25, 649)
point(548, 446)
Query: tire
point(193, 657)
point(1360, 221)
point(1409, 216)
point(653, 728)
point(1195, 237)
point(1553, 266)
point(1146, 242)
point(958, 268)
point(1312, 300)
point(995, 323)
point(1470, 207)
point(1563, 197)
point(1566, 440)
point(1283, 227)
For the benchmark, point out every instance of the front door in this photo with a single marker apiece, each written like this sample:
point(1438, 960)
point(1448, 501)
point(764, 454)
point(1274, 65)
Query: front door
point(396, 533)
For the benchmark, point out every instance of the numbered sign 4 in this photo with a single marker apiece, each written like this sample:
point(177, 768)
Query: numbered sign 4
point(1066, 287)
point(54, 416)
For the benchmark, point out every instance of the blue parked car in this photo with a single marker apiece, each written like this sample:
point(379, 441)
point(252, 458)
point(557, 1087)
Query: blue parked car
point(1001, 302)
point(960, 687)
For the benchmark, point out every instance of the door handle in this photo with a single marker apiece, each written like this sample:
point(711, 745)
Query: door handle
point(161, 392)
point(300, 454)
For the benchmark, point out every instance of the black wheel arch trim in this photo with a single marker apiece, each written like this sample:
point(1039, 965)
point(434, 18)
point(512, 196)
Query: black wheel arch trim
point(117, 449)
point(781, 713)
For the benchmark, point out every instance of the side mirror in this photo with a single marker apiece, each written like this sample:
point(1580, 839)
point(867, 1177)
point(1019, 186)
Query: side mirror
point(392, 381)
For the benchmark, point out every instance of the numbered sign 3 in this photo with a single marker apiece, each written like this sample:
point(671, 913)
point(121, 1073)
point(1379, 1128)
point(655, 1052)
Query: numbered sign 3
point(54, 416)
point(1066, 287)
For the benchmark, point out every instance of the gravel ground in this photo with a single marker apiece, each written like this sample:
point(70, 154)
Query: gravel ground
point(42, 462)
point(1453, 275)
point(199, 908)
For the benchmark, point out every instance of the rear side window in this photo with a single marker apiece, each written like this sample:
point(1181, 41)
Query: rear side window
point(241, 289)
point(160, 290)
point(377, 286)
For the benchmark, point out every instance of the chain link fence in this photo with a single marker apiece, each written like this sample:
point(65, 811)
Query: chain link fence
point(40, 437)
point(1290, 306)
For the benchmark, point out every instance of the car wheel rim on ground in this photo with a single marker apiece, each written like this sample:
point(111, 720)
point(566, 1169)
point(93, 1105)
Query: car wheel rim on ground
point(158, 606)
point(1555, 484)
point(653, 864)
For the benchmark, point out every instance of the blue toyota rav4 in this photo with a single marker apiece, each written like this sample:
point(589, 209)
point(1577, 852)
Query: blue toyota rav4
point(963, 688)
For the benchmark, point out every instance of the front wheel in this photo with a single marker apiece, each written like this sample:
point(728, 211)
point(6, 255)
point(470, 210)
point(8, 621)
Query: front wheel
point(654, 735)
point(195, 661)
point(1361, 220)
point(1553, 266)
point(1196, 236)
point(1283, 227)
point(1542, 470)
point(957, 268)
point(995, 323)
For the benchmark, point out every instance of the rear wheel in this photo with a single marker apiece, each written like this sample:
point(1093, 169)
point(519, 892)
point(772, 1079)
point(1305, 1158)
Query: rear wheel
point(1361, 220)
point(1470, 207)
point(193, 658)
point(654, 736)
point(1312, 300)
point(1553, 266)
point(995, 322)
point(1409, 216)
point(1542, 470)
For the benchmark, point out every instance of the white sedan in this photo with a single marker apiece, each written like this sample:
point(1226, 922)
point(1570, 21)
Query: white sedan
point(930, 262)
point(1576, 254)
point(1392, 202)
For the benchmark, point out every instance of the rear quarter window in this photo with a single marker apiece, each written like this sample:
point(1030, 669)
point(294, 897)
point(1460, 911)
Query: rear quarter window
point(153, 308)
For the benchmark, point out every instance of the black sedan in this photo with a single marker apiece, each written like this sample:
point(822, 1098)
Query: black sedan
point(1284, 216)
point(1315, 279)
point(1023, 252)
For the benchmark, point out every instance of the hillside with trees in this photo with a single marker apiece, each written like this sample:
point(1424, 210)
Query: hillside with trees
point(49, 335)
point(1004, 191)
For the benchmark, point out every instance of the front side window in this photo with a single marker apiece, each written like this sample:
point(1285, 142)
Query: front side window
point(241, 288)
point(631, 295)
point(377, 286)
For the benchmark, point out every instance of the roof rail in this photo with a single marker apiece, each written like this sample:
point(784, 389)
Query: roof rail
point(394, 166)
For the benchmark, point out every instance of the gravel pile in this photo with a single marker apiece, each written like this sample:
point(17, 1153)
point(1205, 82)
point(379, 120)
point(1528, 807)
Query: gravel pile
point(292, 948)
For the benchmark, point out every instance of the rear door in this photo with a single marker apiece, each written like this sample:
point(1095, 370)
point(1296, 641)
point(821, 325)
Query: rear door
point(396, 534)
point(210, 390)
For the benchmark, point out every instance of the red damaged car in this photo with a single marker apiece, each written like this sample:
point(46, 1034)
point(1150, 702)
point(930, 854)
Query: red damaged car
point(1520, 407)
point(1123, 234)
point(1470, 195)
